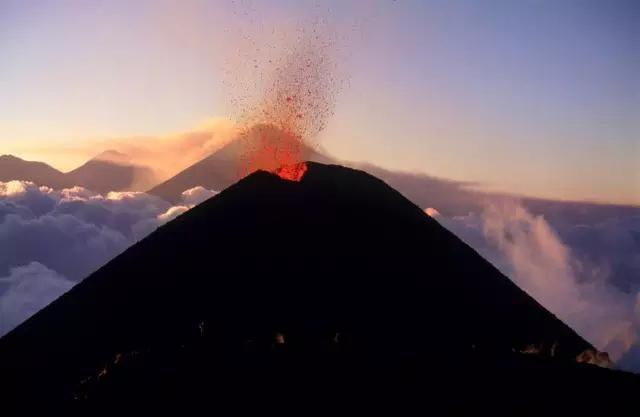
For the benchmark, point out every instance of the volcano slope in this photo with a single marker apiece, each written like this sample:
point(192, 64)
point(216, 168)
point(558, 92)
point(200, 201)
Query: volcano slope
point(111, 171)
point(231, 162)
point(330, 296)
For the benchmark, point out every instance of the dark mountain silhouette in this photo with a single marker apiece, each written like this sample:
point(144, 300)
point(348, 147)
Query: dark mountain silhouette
point(111, 171)
point(224, 167)
point(334, 295)
point(449, 197)
point(13, 168)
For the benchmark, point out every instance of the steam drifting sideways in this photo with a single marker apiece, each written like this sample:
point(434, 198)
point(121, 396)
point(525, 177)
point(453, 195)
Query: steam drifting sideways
point(555, 262)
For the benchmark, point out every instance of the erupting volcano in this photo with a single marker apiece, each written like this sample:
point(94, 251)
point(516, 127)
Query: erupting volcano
point(293, 172)
point(282, 117)
point(267, 148)
point(347, 324)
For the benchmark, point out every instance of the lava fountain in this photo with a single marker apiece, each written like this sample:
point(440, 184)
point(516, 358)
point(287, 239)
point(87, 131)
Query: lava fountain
point(293, 172)
point(299, 87)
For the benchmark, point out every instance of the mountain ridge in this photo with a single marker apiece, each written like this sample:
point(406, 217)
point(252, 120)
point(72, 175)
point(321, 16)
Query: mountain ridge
point(15, 168)
point(336, 264)
point(101, 174)
point(227, 165)
point(111, 171)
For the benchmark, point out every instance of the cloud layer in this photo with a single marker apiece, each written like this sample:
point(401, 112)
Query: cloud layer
point(586, 274)
point(581, 261)
point(52, 239)
point(26, 290)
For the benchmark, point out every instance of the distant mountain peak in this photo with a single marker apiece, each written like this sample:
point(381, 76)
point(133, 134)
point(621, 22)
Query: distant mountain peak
point(10, 157)
point(15, 168)
point(113, 156)
point(112, 170)
point(273, 285)
point(262, 147)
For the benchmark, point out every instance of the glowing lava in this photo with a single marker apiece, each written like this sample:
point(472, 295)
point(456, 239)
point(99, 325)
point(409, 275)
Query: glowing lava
point(270, 148)
point(293, 172)
point(286, 102)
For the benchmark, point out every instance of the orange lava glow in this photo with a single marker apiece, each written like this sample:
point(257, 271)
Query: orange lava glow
point(293, 172)
point(269, 148)
point(286, 103)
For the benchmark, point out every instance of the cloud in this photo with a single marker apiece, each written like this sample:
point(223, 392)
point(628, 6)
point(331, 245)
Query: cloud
point(431, 212)
point(73, 231)
point(170, 154)
point(27, 289)
point(449, 197)
point(63, 236)
point(166, 155)
point(197, 195)
point(190, 198)
point(561, 276)
point(171, 214)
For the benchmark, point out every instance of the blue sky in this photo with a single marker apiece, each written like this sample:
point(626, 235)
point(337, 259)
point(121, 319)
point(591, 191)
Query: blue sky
point(535, 97)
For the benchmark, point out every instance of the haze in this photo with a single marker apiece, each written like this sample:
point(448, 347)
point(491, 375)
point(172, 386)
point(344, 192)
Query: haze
point(539, 98)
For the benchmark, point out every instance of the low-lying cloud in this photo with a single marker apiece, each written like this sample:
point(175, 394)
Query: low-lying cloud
point(53, 239)
point(580, 260)
point(586, 274)
point(26, 290)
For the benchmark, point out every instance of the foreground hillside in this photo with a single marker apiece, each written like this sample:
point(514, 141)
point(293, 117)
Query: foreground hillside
point(330, 296)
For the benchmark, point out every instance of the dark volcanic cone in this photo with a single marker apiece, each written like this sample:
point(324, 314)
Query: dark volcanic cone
point(331, 295)
point(256, 148)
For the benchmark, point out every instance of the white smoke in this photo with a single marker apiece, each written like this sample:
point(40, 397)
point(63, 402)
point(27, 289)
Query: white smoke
point(527, 249)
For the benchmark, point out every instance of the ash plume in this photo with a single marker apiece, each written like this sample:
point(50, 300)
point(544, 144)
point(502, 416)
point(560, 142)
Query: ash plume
point(283, 85)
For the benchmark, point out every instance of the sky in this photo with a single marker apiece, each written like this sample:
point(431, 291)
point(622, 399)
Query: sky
point(535, 97)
